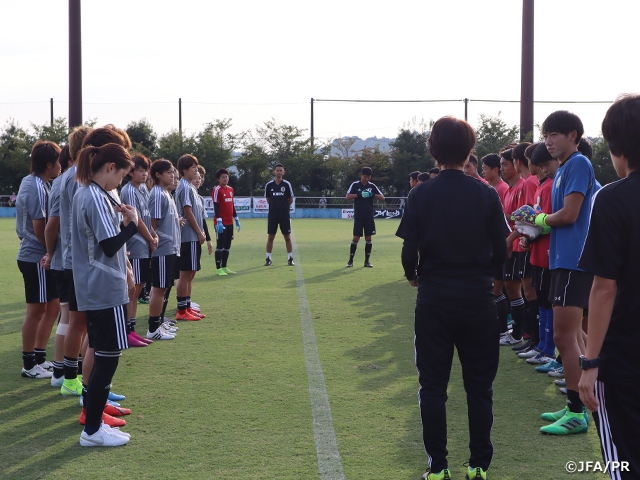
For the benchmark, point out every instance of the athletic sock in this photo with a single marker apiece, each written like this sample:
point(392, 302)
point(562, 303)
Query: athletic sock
point(84, 392)
point(154, 323)
point(533, 321)
point(225, 257)
point(218, 255)
point(105, 365)
point(502, 305)
point(28, 360)
point(268, 255)
point(188, 302)
point(519, 313)
point(70, 366)
point(58, 369)
point(367, 251)
point(548, 335)
point(573, 399)
point(41, 355)
point(80, 362)
point(182, 303)
point(352, 252)
point(542, 326)
point(132, 324)
point(289, 255)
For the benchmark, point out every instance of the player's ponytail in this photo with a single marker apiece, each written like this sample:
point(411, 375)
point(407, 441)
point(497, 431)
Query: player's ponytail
point(92, 159)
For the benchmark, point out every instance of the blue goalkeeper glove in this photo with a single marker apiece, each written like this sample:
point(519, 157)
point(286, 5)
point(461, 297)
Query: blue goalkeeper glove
point(365, 194)
point(238, 223)
point(219, 226)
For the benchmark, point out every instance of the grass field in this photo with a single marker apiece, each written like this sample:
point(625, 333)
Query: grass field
point(229, 398)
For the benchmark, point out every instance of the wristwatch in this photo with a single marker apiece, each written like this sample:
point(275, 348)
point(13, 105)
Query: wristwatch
point(587, 364)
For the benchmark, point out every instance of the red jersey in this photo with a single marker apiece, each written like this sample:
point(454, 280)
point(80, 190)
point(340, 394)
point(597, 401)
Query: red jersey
point(514, 199)
point(502, 188)
point(223, 196)
point(530, 186)
point(482, 180)
point(540, 248)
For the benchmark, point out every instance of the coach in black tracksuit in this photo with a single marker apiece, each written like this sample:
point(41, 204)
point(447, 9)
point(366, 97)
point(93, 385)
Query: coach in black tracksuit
point(456, 226)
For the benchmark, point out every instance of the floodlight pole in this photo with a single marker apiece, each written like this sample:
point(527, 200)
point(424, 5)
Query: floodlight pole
point(75, 64)
point(526, 75)
point(312, 123)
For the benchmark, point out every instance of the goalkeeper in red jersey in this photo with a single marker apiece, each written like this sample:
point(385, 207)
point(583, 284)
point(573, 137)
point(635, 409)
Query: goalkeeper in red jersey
point(225, 214)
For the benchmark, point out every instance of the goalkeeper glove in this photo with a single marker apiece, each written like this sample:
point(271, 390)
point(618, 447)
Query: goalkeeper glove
point(238, 223)
point(531, 216)
point(365, 194)
point(219, 226)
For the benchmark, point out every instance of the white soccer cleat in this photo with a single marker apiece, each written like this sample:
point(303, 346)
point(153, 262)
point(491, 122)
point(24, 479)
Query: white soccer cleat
point(36, 372)
point(104, 437)
point(160, 334)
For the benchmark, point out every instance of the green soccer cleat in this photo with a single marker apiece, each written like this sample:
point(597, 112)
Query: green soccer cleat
point(568, 424)
point(227, 270)
point(476, 474)
point(555, 416)
point(71, 387)
point(221, 272)
point(443, 475)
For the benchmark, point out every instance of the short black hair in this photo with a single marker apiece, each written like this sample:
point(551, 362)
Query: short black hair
point(435, 170)
point(185, 162)
point(44, 152)
point(423, 177)
point(366, 171)
point(563, 122)
point(518, 152)
point(529, 151)
point(492, 160)
point(584, 147)
point(473, 159)
point(620, 129)
point(414, 176)
point(507, 154)
point(221, 171)
point(451, 140)
point(540, 155)
point(279, 165)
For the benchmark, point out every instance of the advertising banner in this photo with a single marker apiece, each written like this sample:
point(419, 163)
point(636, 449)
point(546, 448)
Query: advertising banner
point(260, 205)
point(347, 213)
point(242, 204)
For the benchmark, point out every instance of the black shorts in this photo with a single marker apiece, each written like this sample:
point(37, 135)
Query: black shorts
point(498, 273)
point(163, 271)
point(39, 286)
point(368, 225)
point(190, 253)
point(541, 278)
point(514, 266)
point(141, 270)
point(284, 223)
point(107, 329)
point(60, 278)
point(570, 288)
point(527, 265)
point(223, 240)
point(71, 295)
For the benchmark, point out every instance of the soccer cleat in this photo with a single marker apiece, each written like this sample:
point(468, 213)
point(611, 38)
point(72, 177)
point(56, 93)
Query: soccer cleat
point(196, 306)
point(109, 402)
point(508, 340)
point(547, 367)
point(268, 262)
point(172, 321)
point(443, 475)
point(227, 270)
point(290, 262)
point(555, 416)
point(57, 382)
point(114, 411)
point(71, 387)
point(476, 474)
point(104, 437)
point(197, 314)
point(529, 353)
point(567, 424)
point(47, 366)
point(561, 382)
point(368, 265)
point(557, 373)
point(141, 338)
point(562, 390)
point(540, 359)
point(220, 272)
point(134, 342)
point(160, 334)
point(106, 418)
point(114, 397)
point(36, 372)
point(144, 300)
point(522, 346)
point(167, 327)
point(349, 264)
point(186, 315)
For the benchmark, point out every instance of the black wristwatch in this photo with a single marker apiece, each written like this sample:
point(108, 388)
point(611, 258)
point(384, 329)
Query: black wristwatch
point(587, 364)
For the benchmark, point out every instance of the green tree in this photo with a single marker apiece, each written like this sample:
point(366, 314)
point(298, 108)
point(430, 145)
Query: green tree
point(380, 163)
point(173, 145)
point(58, 132)
point(601, 160)
point(143, 137)
point(253, 167)
point(15, 148)
point(493, 134)
point(214, 146)
point(409, 153)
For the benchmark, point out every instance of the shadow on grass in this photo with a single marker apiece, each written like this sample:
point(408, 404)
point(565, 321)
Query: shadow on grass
point(11, 317)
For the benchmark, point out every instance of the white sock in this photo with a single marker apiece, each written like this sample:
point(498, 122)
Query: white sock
point(268, 255)
point(290, 255)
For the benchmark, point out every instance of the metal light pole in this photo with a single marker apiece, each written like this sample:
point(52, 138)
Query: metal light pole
point(526, 78)
point(75, 64)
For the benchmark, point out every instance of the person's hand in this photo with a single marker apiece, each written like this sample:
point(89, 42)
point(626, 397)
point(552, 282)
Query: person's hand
point(237, 223)
point(527, 230)
point(586, 388)
point(153, 244)
point(414, 282)
point(219, 227)
point(201, 237)
point(129, 214)
point(45, 262)
point(209, 247)
point(523, 244)
point(183, 222)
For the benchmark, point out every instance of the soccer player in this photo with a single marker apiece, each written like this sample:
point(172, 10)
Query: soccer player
point(455, 304)
point(100, 228)
point(362, 194)
point(609, 380)
point(225, 214)
point(197, 183)
point(514, 267)
point(166, 224)
point(434, 172)
point(141, 243)
point(41, 294)
point(471, 168)
point(491, 173)
point(279, 195)
point(413, 179)
point(424, 177)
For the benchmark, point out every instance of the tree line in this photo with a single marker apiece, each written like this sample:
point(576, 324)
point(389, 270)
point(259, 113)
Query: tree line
point(326, 169)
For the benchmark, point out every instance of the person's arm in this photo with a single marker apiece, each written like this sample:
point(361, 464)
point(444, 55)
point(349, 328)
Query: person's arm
point(498, 228)
point(38, 230)
point(410, 247)
point(216, 210)
point(51, 236)
point(111, 245)
point(191, 220)
point(351, 196)
point(568, 214)
point(290, 200)
point(207, 237)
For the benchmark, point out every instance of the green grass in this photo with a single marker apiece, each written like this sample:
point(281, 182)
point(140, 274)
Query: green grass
point(229, 399)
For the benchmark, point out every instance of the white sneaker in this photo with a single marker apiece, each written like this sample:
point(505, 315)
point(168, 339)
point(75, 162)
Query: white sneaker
point(195, 306)
point(160, 334)
point(508, 340)
point(540, 359)
point(36, 372)
point(169, 328)
point(104, 437)
point(57, 382)
point(170, 321)
point(167, 331)
point(47, 366)
point(529, 353)
point(117, 431)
